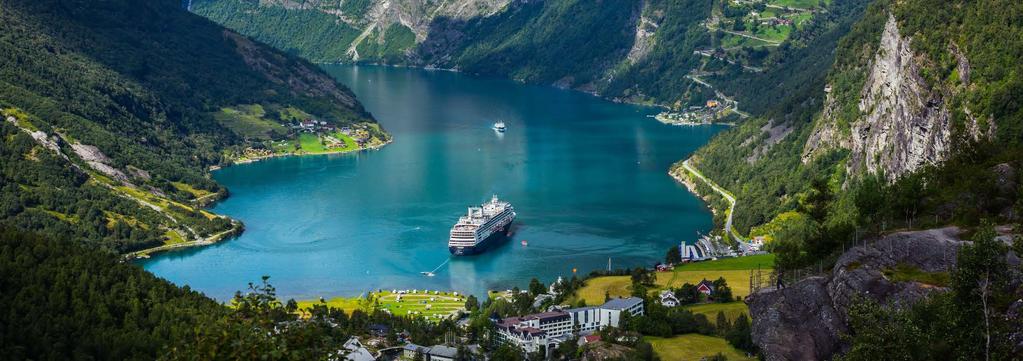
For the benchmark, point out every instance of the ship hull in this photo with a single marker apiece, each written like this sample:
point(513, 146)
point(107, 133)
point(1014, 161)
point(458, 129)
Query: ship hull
point(494, 239)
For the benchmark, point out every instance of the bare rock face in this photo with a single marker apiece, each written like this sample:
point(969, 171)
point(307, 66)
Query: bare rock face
point(797, 323)
point(98, 161)
point(805, 321)
point(904, 123)
point(860, 271)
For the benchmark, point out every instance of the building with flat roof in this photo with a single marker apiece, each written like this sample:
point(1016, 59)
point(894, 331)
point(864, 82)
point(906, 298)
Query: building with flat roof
point(549, 329)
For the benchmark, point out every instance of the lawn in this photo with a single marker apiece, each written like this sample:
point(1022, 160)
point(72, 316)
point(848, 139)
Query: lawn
point(348, 304)
point(732, 310)
point(802, 4)
point(594, 291)
point(310, 143)
point(765, 261)
point(693, 347)
point(429, 305)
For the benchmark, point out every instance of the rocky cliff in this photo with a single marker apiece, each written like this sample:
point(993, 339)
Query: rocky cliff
point(903, 121)
point(806, 320)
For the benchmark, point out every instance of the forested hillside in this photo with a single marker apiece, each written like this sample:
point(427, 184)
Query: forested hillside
point(917, 125)
point(642, 51)
point(108, 108)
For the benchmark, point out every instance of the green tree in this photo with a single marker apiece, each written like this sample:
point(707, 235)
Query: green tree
point(673, 256)
point(536, 287)
point(740, 335)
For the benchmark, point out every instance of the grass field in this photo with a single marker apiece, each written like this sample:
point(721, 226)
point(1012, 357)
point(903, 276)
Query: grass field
point(734, 270)
point(693, 347)
point(310, 143)
point(429, 305)
point(765, 261)
point(594, 291)
point(738, 280)
point(732, 310)
point(802, 4)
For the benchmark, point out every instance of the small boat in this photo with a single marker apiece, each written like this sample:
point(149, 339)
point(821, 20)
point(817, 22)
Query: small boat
point(427, 274)
point(525, 243)
point(500, 127)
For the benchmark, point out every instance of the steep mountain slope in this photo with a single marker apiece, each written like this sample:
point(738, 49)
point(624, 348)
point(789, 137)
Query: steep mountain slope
point(920, 108)
point(643, 51)
point(108, 117)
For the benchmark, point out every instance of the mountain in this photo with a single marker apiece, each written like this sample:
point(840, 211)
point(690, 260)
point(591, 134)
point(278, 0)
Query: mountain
point(921, 107)
point(644, 51)
point(110, 119)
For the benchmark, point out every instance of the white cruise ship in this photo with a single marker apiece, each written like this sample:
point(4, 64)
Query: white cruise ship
point(480, 227)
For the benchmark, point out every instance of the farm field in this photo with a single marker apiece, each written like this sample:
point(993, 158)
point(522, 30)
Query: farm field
point(693, 347)
point(738, 280)
point(732, 310)
point(734, 270)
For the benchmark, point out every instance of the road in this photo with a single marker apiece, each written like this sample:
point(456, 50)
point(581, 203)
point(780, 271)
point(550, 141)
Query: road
point(724, 193)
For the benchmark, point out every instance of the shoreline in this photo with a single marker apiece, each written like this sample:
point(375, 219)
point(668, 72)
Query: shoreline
point(237, 227)
point(295, 154)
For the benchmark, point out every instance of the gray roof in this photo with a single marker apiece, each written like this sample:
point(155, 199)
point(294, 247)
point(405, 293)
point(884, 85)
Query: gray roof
point(415, 348)
point(622, 303)
point(443, 351)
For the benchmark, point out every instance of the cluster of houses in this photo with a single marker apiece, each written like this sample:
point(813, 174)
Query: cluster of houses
point(312, 125)
point(668, 298)
point(695, 115)
point(549, 329)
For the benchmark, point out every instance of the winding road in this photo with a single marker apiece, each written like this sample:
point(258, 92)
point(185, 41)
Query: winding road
point(724, 193)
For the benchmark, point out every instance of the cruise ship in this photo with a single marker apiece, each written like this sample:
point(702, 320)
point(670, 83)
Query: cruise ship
point(481, 226)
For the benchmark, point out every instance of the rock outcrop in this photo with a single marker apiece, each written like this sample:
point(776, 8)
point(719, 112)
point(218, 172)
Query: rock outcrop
point(806, 320)
point(903, 124)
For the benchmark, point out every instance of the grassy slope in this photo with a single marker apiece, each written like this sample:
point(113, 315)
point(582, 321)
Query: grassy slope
point(693, 347)
point(732, 310)
point(734, 270)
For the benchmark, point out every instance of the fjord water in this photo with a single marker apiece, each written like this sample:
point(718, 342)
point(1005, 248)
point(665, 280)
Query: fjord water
point(587, 177)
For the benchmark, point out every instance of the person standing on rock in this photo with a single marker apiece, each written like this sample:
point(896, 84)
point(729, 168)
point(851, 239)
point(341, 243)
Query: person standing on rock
point(780, 283)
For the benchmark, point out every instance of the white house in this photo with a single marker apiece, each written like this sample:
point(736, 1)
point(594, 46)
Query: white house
point(668, 299)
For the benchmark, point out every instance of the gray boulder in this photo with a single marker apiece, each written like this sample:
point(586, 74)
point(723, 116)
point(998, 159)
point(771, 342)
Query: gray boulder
point(806, 320)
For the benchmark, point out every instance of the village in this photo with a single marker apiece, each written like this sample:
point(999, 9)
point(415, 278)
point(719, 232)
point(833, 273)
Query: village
point(313, 136)
point(594, 315)
point(707, 114)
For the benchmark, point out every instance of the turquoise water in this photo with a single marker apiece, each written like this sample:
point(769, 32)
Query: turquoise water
point(587, 177)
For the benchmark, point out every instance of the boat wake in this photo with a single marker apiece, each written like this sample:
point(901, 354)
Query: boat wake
point(434, 272)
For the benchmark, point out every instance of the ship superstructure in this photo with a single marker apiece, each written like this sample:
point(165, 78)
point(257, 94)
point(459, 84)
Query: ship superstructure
point(480, 227)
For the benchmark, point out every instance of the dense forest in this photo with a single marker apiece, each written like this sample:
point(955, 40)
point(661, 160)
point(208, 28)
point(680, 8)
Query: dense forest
point(108, 125)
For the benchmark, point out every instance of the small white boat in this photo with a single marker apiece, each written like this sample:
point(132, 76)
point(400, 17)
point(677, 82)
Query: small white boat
point(500, 127)
point(428, 274)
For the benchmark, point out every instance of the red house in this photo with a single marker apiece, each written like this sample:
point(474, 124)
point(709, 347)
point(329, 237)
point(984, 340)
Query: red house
point(705, 287)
